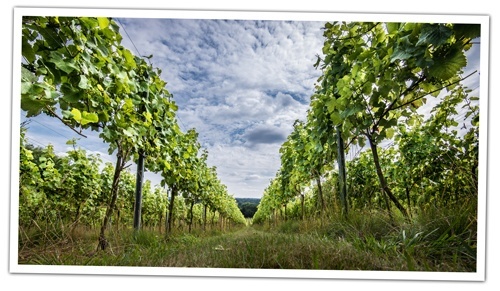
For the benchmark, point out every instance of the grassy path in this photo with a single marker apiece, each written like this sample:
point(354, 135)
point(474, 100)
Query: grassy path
point(361, 244)
point(251, 248)
point(247, 247)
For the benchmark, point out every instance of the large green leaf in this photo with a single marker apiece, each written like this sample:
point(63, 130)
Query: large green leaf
point(434, 34)
point(404, 49)
point(71, 94)
point(33, 107)
point(129, 59)
point(103, 22)
point(65, 64)
point(351, 110)
point(89, 117)
point(28, 52)
point(77, 115)
point(84, 82)
point(447, 63)
point(331, 104)
point(84, 117)
point(402, 53)
point(389, 133)
point(50, 37)
point(335, 117)
point(467, 30)
point(27, 75)
point(392, 27)
point(25, 87)
point(388, 123)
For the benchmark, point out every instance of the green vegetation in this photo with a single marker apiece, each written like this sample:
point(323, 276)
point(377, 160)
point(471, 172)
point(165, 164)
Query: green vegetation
point(77, 66)
point(375, 78)
point(408, 205)
point(248, 206)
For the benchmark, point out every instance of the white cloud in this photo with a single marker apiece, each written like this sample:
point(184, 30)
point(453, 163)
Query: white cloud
point(241, 84)
point(245, 172)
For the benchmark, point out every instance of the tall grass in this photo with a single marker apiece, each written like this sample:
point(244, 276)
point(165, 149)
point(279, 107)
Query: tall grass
point(436, 239)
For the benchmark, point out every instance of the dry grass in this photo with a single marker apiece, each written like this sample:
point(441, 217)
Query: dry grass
point(439, 241)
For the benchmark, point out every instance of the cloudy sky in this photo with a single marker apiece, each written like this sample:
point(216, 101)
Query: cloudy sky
point(240, 83)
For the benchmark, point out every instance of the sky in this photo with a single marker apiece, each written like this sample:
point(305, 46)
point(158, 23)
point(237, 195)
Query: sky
point(240, 83)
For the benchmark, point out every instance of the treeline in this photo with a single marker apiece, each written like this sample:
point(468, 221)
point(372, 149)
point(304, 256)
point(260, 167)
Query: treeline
point(248, 206)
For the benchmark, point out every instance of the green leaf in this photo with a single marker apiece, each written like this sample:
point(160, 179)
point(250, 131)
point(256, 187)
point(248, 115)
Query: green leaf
point(350, 111)
point(89, 118)
point(343, 101)
point(418, 103)
point(430, 87)
point(402, 53)
point(335, 117)
point(467, 30)
point(388, 123)
point(70, 94)
point(129, 59)
point(392, 27)
point(66, 65)
point(31, 106)
point(66, 114)
point(107, 134)
point(354, 70)
point(326, 47)
point(103, 22)
point(130, 132)
point(475, 120)
point(434, 34)
point(331, 103)
point(374, 99)
point(27, 75)
point(148, 117)
point(367, 88)
point(389, 133)
point(448, 63)
point(405, 49)
point(77, 115)
point(28, 52)
point(128, 105)
point(51, 37)
point(71, 141)
point(83, 84)
point(25, 87)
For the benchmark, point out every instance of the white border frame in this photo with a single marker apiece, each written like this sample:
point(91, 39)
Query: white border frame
point(479, 275)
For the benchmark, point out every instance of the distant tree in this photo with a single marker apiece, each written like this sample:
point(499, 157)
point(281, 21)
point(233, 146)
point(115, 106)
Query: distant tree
point(248, 209)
